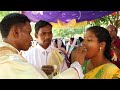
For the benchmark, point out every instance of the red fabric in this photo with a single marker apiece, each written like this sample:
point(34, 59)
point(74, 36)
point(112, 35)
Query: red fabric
point(117, 63)
point(117, 44)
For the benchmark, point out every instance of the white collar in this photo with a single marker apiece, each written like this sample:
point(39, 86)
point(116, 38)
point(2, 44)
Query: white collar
point(42, 49)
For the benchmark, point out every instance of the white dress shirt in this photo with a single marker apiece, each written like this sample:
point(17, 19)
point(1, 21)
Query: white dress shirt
point(39, 56)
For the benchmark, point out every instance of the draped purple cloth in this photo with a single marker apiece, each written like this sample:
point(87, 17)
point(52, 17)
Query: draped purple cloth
point(65, 16)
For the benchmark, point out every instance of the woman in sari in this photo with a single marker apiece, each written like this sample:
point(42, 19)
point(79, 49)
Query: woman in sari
point(96, 64)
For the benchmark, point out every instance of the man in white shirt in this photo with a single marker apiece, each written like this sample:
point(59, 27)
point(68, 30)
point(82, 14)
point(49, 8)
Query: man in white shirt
point(44, 54)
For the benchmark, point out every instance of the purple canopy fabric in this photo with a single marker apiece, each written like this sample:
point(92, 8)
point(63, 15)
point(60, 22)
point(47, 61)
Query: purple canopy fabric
point(65, 16)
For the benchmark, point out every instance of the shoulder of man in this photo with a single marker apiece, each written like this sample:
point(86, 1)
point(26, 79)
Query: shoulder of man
point(54, 49)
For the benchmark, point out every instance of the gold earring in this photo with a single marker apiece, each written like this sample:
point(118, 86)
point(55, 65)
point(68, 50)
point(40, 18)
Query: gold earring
point(100, 49)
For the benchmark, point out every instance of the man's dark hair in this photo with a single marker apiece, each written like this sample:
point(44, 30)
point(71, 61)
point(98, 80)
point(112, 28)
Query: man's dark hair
point(41, 24)
point(11, 20)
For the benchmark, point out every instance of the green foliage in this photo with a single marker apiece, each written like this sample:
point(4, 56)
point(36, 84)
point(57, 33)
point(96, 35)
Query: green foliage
point(4, 13)
point(67, 32)
point(104, 21)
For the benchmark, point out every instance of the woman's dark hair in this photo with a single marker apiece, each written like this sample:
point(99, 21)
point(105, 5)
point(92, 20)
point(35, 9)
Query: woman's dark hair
point(56, 41)
point(10, 20)
point(81, 39)
point(103, 35)
point(73, 40)
point(41, 24)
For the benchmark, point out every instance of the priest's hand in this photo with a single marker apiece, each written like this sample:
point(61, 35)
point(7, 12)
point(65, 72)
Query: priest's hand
point(79, 54)
point(48, 69)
